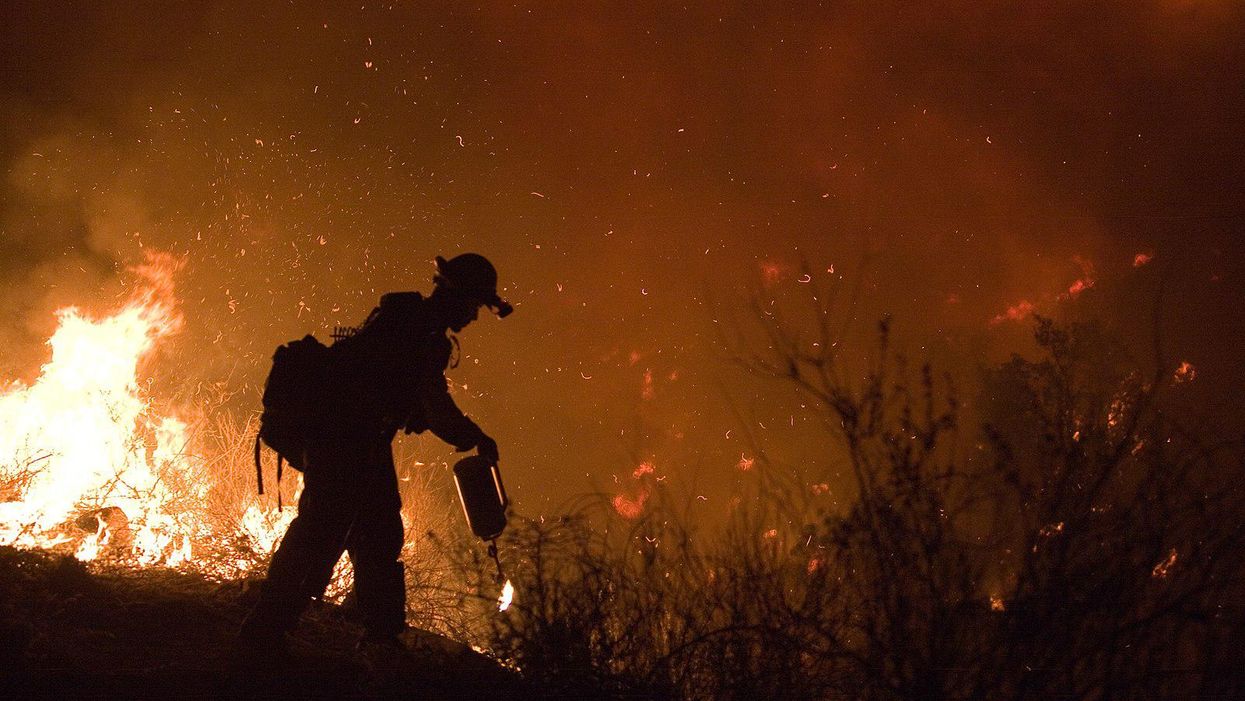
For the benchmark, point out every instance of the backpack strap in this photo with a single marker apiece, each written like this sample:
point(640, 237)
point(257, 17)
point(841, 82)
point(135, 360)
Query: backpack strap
point(280, 463)
point(259, 470)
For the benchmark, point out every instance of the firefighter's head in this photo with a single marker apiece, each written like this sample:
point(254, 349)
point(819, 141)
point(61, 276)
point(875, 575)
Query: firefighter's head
point(468, 282)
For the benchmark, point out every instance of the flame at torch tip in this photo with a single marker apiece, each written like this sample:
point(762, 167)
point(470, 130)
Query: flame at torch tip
point(507, 596)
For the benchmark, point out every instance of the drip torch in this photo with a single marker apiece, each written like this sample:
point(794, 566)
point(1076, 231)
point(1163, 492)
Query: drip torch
point(484, 502)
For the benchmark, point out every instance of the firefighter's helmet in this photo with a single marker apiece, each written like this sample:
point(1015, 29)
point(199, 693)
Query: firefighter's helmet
point(471, 274)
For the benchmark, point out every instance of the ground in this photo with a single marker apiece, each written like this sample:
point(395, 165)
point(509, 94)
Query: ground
point(67, 632)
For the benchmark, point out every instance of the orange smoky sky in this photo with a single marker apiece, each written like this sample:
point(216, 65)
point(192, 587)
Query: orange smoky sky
point(632, 170)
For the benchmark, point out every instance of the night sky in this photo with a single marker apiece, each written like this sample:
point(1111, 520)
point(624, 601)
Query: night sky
point(634, 172)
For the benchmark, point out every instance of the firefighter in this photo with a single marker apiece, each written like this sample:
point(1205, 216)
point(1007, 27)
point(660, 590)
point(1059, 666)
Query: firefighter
point(390, 377)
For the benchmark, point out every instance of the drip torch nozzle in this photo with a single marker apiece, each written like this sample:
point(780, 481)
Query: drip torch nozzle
point(492, 552)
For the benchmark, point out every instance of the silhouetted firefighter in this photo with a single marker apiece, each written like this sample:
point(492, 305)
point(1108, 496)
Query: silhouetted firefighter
point(333, 412)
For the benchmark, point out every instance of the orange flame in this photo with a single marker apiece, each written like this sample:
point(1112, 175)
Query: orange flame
point(1162, 568)
point(1187, 372)
point(1086, 281)
point(1016, 312)
point(83, 436)
point(645, 468)
point(647, 391)
point(89, 464)
point(631, 505)
point(507, 596)
point(772, 272)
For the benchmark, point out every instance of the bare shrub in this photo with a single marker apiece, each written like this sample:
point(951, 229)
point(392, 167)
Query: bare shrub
point(1081, 543)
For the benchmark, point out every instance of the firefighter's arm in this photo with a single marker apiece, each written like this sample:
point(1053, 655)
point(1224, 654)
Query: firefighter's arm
point(449, 423)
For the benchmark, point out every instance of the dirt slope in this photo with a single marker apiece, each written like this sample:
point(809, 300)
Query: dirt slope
point(68, 633)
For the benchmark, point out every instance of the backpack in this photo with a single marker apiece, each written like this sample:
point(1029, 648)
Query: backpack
point(295, 395)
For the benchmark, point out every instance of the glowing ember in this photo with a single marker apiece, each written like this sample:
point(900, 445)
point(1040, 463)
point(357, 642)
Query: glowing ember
point(1082, 283)
point(1051, 530)
point(1185, 373)
point(1079, 286)
point(507, 596)
point(647, 391)
point(1160, 570)
point(1141, 259)
point(1021, 310)
point(1115, 414)
point(645, 468)
point(996, 604)
point(628, 507)
point(631, 505)
point(772, 272)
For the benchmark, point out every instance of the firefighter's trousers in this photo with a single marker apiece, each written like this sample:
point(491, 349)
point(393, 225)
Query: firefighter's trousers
point(350, 502)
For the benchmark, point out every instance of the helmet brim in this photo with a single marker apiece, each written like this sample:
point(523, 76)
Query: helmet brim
point(499, 306)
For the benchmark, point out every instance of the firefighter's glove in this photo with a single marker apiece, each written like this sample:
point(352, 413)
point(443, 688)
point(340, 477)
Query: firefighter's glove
point(487, 448)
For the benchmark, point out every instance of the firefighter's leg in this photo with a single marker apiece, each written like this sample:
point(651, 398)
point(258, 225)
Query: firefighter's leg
point(375, 547)
point(311, 545)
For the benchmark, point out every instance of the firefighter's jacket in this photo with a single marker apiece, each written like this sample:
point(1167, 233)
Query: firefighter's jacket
point(392, 375)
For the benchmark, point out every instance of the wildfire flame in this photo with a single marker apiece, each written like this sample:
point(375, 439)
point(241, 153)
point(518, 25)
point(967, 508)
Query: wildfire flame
point(1086, 281)
point(83, 437)
point(1021, 310)
point(1185, 373)
point(1162, 568)
point(507, 596)
point(87, 464)
point(630, 502)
